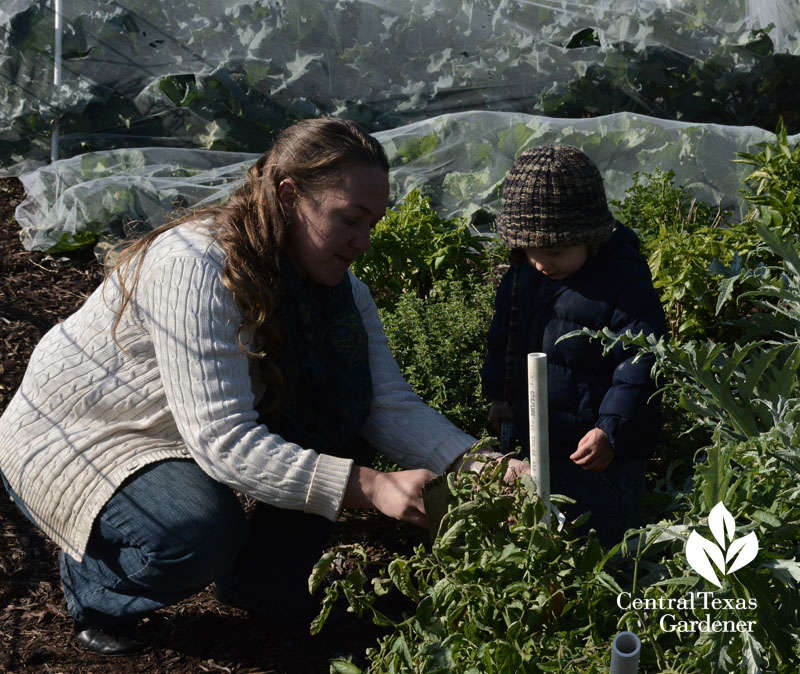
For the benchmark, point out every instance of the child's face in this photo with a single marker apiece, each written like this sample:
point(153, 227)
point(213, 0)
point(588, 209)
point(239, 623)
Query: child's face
point(558, 263)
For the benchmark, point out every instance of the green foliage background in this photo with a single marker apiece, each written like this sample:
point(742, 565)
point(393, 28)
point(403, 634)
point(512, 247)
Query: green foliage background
point(431, 278)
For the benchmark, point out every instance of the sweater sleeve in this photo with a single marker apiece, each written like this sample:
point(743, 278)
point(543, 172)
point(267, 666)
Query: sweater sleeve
point(400, 425)
point(193, 320)
point(628, 412)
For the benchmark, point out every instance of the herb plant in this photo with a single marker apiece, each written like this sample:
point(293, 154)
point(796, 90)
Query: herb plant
point(774, 184)
point(440, 342)
point(412, 247)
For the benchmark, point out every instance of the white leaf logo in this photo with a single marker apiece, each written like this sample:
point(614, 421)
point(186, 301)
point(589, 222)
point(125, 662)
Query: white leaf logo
point(727, 554)
point(699, 551)
point(721, 522)
point(742, 552)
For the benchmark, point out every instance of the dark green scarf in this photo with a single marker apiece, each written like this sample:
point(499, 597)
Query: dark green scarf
point(325, 362)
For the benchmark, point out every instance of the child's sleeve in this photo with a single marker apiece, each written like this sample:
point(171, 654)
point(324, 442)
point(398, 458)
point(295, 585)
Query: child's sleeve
point(629, 415)
point(493, 370)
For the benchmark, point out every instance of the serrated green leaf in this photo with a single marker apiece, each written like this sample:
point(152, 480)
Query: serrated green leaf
point(784, 570)
point(689, 581)
point(342, 666)
point(753, 653)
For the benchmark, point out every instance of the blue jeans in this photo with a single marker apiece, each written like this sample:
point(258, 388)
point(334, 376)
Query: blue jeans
point(170, 530)
point(613, 496)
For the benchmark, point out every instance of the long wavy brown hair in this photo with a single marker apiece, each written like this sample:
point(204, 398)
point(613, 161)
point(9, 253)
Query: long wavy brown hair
point(253, 230)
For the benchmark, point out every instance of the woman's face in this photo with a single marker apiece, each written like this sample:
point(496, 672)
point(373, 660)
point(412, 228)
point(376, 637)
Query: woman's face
point(332, 228)
point(558, 263)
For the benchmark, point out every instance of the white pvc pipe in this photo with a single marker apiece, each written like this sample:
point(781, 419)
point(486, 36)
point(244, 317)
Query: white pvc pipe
point(625, 651)
point(537, 422)
point(56, 76)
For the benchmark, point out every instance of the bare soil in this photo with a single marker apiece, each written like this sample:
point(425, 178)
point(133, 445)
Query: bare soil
point(198, 635)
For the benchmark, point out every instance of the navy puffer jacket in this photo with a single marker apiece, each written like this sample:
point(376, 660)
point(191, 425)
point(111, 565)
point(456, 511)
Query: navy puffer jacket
point(613, 289)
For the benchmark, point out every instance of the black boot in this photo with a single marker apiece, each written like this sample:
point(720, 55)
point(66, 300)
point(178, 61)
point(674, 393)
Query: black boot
point(109, 639)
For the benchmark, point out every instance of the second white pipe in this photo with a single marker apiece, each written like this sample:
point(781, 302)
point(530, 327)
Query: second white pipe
point(625, 651)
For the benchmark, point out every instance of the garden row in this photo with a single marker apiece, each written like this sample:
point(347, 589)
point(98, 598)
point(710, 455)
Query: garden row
point(500, 591)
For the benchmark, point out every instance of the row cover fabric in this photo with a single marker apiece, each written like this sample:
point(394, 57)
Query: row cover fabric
point(225, 74)
point(459, 160)
point(163, 105)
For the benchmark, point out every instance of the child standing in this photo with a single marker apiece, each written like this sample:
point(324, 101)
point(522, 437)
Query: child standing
point(574, 266)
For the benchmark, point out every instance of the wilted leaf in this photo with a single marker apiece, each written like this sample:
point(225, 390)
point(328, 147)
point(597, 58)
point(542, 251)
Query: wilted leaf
point(401, 577)
point(342, 666)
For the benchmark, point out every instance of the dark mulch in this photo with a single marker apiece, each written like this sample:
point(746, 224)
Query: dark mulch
point(198, 635)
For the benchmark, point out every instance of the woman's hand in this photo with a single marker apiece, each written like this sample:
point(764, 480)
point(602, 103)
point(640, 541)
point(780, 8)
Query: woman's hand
point(514, 469)
point(397, 494)
point(594, 452)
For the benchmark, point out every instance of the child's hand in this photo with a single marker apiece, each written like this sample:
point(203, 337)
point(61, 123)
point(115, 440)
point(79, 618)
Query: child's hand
point(594, 451)
point(498, 412)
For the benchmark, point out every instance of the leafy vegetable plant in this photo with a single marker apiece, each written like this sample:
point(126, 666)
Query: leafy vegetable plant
point(681, 238)
point(488, 596)
point(501, 591)
point(412, 247)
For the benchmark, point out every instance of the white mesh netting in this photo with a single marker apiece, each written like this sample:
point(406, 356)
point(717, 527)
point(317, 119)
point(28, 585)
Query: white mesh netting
point(163, 104)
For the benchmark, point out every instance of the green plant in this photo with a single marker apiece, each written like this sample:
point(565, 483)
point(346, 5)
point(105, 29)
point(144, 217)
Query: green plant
point(681, 239)
point(412, 247)
point(654, 200)
point(502, 591)
point(774, 184)
point(439, 342)
point(490, 594)
point(759, 602)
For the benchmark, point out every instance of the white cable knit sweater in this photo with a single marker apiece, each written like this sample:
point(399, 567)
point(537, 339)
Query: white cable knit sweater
point(91, 412)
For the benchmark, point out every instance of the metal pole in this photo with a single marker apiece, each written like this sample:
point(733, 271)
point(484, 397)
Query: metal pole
point(56, 76)
point(625, 651)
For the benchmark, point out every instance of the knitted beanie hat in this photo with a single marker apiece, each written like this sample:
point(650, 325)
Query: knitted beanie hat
point(553, 198)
